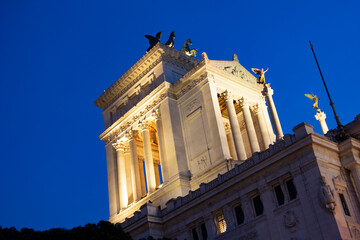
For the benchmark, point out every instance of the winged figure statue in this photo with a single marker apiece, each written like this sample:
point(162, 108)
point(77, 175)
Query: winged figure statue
point(261, 73)
point(153, 40)
point(170, 41)
point(315, 99)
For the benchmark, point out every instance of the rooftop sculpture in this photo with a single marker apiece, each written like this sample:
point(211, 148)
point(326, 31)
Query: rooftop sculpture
point(316, 101)
point(170, 41)
point(186, 49)
point(261, 73)
point(153, 40)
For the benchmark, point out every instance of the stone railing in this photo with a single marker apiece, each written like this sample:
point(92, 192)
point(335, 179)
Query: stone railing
point(150, 209)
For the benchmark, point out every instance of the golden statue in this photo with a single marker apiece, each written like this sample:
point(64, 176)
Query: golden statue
point(261, 73)
point(316, 101)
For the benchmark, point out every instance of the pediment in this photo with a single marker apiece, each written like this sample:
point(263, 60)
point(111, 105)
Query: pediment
point(235, 69)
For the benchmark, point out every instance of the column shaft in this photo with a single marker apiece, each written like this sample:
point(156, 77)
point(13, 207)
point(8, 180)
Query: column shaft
point(273, 113)
point(122, 177)
point(235, 129)
point(135, 174)
point(229, 136)
point(149, 162)
point(254, 144)
point(263, 128)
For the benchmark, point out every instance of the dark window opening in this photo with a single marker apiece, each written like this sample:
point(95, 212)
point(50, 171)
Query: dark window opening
point(259, 207)
point(240, 217)
point(279, 195)
point(291, 189)
point(203, 231)
point(343, 203)
point(194, 234)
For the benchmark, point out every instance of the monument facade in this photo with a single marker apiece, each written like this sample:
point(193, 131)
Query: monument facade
point(195, 150)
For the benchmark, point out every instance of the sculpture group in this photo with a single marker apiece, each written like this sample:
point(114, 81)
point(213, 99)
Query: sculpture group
point(170, 43)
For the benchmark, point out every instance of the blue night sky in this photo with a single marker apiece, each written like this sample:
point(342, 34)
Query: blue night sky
point(57, 57)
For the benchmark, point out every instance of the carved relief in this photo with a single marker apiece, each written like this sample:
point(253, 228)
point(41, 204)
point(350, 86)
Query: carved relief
point(191, 85)
point(190, 107)
point(202, 163)
point(327, 196)
point(290, 219)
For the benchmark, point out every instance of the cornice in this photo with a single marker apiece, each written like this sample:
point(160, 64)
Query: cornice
point(147, 63)
point(126, 122)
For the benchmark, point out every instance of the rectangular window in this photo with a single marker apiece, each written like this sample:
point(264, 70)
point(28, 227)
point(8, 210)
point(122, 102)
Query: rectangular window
point(291, 189)
point(194, 234)
point(279, 195)
point(259, 207)
point(239, 215)
point(203, 231)
point(343, 203)
point(221, 222)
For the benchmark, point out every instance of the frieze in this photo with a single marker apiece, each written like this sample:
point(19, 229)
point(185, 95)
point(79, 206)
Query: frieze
point(191, 85)
point(132, 83)
point(119, 129)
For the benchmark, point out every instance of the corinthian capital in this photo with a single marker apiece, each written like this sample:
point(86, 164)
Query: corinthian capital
point(156, 114)
point(131, 134)
point(268, 91)
point(243, 102)
point(227, 95)
point(145, 125)
point(120, 145)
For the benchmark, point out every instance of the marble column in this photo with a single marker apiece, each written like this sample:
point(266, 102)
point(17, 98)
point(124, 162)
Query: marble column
point(268, 92)
point(161, 144)
point(258, 110)
point(149, 162)
point(321, 116)
point(231, 141)
point(134, 169)
point(234, 123)
point(120, 152)
point(254, 144)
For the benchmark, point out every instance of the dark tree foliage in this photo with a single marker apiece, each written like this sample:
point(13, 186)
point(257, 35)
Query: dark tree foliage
point(102, 231)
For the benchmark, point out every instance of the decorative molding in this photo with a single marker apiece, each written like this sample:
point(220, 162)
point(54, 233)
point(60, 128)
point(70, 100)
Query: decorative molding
point(120, 145)
point(114, 133)
point(193, 105)
point(227, 95)
point(191, 85)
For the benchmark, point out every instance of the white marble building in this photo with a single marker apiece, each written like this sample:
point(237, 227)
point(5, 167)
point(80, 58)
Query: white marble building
point(195, 150)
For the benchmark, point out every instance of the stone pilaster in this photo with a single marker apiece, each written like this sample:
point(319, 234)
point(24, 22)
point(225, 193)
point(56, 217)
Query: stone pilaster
point(254, 144)
point(239, 144)
point(161, 144)
point(149, 162)
point(120, 152)
point(268, 92)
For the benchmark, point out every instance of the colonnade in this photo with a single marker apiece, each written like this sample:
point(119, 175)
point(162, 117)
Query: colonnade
point(128, 145)
point(236, 142)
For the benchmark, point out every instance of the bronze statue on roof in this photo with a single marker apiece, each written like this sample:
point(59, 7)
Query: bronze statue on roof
point(261, 73)
point(186, 49)
point(170, 41)
point(153, 40)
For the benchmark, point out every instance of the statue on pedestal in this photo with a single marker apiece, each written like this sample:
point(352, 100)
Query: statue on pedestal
point(261, 73)
point(316, 101)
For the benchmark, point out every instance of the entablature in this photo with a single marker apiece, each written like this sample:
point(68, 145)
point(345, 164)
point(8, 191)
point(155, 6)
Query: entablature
point(142, 67)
